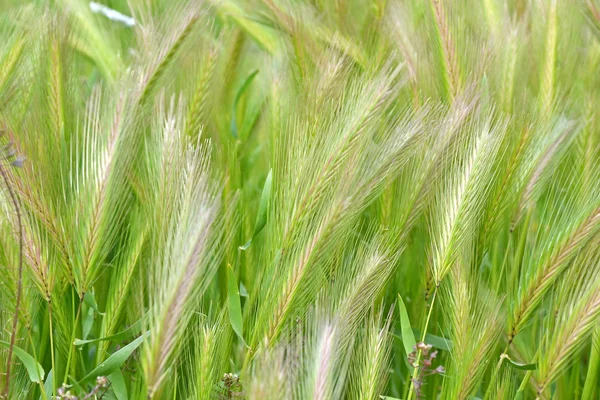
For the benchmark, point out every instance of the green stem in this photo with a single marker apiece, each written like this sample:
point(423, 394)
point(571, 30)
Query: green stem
point(525, 381)
point(43, 392)
point(15, 321)
point(418, 362)
point(54, 388)
point(495, 374)
point(504, 263)
point(591, 379)
point(71, 345)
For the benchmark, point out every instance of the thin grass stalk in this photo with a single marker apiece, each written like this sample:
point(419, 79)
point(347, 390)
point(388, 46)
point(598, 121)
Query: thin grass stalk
point(418, 365)
point(13, 334)
point(590, 386)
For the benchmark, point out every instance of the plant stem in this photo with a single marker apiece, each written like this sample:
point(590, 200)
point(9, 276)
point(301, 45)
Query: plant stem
point(71, 345)
point(418, 366)
point(13, 334)
point(525, 380)
point(495, 373)
point(43, 392)
point(591, 379)
point(52, 347)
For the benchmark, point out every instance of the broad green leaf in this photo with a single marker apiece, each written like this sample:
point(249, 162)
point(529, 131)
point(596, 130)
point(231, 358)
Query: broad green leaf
point(126, 334)
point(238, 96)
point(117, 383)
point(116, 360)
point(261, 217)
point(408, 337)
point(34, 369)
point(235, 307)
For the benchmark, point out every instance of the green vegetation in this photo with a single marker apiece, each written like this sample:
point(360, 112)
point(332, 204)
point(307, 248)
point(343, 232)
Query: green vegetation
point(310, 199)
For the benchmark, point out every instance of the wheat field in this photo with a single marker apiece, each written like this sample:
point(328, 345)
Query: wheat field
point(299, 199)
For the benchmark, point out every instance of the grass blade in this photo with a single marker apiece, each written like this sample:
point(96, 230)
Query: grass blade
point(235, 308)
point(261, 217)
point(408, 337)
point(34, 369)
point(118, 385)
point(116, 360)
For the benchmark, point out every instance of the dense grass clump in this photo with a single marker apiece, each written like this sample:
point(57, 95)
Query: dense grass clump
point(299, 199)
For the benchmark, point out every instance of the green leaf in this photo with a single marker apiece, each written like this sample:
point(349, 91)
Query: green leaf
point(520, 394)
point(48, 386)
point(34, 369)
point(116, 360)
point(238, 96)
point(75, 385)
point(235, 307)
point(87, 323)
point(408, 337)
point(251, 117)
point(388, 398)
point(521, 366)
point(264, 36)
point(243, 290)
point(90, 300)
point(117, 383)
point(126, 334)
point(436, 341)
point(263, 207)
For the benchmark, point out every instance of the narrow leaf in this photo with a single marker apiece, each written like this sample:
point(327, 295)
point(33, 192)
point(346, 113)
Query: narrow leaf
point(34, 369)
point(235, 307)
point(243, 290)
point(117, 383)
point(87, 323)
point(90, 300)
point(408, 337)
point(436, 341)
point(48, 386)
point(520, 394)
point(116, 360)
point(238, 96)
point(521, 366)
point(263, 207)
point(126, 334)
